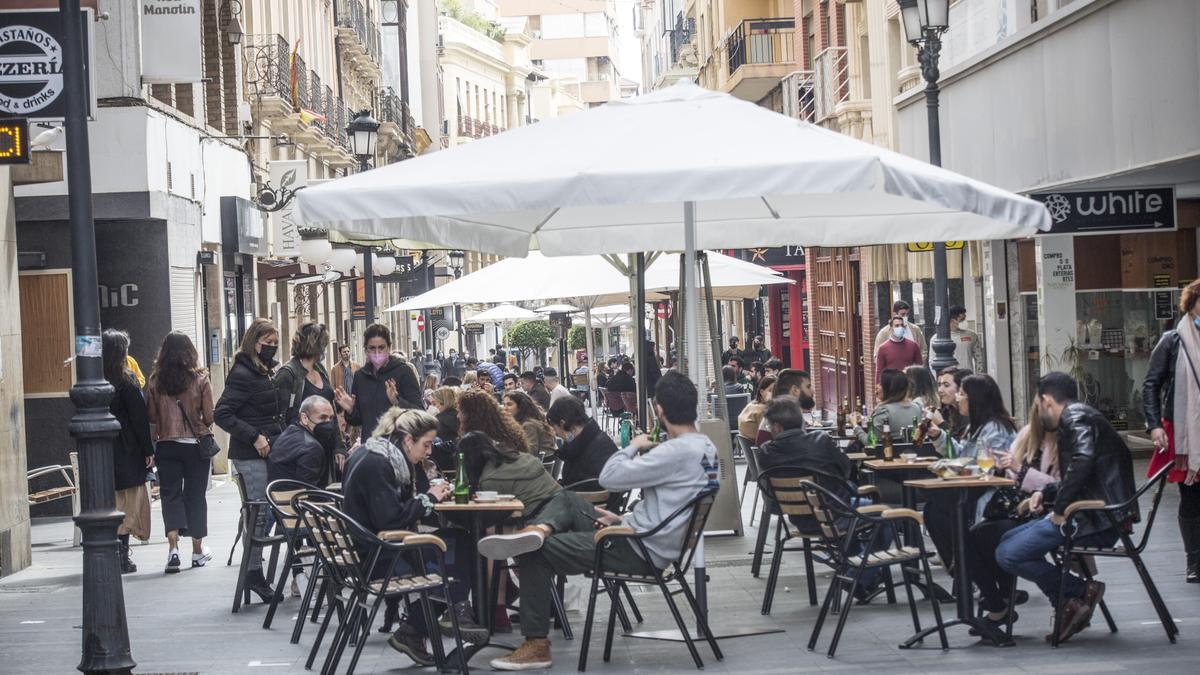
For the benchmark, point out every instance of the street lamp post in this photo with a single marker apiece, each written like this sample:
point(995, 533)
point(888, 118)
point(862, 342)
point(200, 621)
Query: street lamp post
point(924, 22)
point(105, 632)
point(363, 130)
point(455, 260)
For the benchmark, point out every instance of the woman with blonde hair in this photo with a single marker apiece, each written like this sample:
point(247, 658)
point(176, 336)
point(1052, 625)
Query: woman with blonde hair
point(1033, 463)
point(386, 488)
point(470, 381)
point(478, 411)
point(443, 404)
point(251, 412)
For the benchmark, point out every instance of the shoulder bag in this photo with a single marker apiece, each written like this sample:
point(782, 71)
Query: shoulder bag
point(208, 442)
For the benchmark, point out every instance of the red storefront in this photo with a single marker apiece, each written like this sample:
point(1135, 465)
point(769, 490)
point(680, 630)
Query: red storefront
point(786, 305)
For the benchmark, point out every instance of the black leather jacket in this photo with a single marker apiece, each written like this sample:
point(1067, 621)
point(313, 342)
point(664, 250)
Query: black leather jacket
point(1095, 464)
point(1158, 391)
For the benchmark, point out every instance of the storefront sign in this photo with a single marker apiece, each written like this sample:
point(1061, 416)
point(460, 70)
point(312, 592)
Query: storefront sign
point(1108, 211)
point(1058, 270)
point(31, 64)
point(171, 41)
point(925, 246)
point(1164, 309)
point(14, 141)
point(473, 328)
point(242, 227)
point(285, 227)
point(1162, 280)
point(774, 256)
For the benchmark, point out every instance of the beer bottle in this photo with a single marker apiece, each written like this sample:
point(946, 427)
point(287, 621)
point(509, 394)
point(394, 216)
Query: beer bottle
point(889, 452)
point(923, 429)
point(657, 434)
point(913, 429)
point(842, 412)
point(462, 489)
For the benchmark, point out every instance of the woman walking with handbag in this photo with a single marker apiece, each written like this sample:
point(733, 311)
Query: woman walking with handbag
point(1171, 403)
point(181, 410)
point(133, 451)
point(251, 411)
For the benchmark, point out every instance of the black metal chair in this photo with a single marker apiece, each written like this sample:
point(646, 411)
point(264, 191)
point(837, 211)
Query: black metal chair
point(840, 525)
point(1071, 552)
point(696, 514)
point(279, 497)
point(251, 510)
point(360, 564)
point(744, 446)
point(782, 487)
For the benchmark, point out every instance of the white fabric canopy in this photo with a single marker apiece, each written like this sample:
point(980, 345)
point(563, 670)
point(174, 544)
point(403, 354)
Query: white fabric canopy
point(587, 280)
point(614, 179)
point(503, 313)
point(558, 308)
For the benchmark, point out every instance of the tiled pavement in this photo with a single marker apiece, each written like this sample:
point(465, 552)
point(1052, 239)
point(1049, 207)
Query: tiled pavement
point(182, 624)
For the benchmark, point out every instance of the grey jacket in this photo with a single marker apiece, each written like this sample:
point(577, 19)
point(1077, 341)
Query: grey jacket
point(670, 476)
point(896, 415)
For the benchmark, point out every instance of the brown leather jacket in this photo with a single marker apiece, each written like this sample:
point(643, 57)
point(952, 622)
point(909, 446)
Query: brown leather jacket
point(168, 422)
point(337, 374)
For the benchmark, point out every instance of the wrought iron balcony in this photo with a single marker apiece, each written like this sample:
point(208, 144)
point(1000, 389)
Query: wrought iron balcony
point(268, 68)
point(761, 42)
point(682, 34)
point(359, 23)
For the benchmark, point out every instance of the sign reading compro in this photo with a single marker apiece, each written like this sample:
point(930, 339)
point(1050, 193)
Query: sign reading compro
point(31, 64)
point(923, 246)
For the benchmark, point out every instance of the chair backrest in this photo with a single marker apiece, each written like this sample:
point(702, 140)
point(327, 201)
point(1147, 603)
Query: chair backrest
point(735, 403)
point(335, 546)
point(836, 520)
point(630, 402)
point(696, 512)
point(750, 451)
point(279, 496)
point(612, 401)
point(784, 487)
point(1160, 479)
point(580, 379)
point(590, 490)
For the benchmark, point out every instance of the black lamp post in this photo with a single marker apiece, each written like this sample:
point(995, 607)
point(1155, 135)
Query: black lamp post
point(105, 632)
point(455, 260)
point(924, 22)
point(363, 130)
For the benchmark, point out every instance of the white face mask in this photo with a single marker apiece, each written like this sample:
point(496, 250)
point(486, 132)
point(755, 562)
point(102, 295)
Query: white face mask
point(898, 333)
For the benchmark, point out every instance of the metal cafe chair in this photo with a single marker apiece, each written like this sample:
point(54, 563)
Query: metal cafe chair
point(840, 525)
point(696, 512)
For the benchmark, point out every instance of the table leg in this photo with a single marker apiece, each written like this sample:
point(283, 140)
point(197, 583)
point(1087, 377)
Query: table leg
point(483, 617)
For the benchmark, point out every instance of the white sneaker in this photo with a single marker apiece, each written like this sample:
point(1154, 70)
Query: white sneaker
point(505, 546)
point(198, 559)
point(172, 562)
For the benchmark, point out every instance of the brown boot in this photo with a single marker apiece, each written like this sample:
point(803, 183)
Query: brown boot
point(533, 654)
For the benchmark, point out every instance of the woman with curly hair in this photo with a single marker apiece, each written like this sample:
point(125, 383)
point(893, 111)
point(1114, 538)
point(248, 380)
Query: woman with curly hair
point(479, 411)
point(538, 434)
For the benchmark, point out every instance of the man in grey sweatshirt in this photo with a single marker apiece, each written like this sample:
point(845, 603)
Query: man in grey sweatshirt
point(669, 474)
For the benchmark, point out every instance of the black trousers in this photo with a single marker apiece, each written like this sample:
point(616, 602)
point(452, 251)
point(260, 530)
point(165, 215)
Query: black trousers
point(995, 585)
point(182, 482)
point(1189, 500)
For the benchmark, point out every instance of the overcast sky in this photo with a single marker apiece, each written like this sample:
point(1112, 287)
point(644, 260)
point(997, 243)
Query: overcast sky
point(630, 63)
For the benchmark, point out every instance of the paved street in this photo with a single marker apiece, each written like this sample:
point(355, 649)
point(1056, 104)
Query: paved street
point(182, 624)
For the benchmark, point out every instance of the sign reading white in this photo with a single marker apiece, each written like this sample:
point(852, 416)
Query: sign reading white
point(285, 226)
point(171, 50)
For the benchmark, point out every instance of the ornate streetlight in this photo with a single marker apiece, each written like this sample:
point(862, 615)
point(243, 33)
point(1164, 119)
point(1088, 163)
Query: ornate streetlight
point(924, 22)
point(364, 130)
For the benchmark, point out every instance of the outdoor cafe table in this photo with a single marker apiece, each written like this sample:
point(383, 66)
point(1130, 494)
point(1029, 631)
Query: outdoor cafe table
point(482, 515)
point(966, 488)
point(902, 472)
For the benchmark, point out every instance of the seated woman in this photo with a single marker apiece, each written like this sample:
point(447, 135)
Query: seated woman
point(587, 448)
point(894, 410)
point(1033, 464)
point(479, 411)
point(386, 488)
point(538, 434)
point(990, 429)
point(443, 405)
point(751, 416)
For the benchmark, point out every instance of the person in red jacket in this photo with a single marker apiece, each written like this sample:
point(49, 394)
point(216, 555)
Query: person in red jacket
point(898, 352)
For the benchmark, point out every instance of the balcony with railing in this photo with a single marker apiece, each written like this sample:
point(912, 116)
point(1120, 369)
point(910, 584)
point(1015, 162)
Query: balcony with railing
point(758, 54)
point(267, 77)
point(831, 82)
point(681, 36)
point(469, 127)
point(358, 36)
point(396, 125)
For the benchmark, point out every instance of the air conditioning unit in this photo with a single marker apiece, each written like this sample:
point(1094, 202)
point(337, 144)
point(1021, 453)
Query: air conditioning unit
point(245, 119)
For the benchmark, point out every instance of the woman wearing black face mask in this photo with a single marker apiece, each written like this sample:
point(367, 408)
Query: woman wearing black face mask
point(250, 411)
point(304, 376)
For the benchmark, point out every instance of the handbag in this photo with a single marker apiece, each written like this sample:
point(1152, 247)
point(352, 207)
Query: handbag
point(208, 442)
point(1003, 504)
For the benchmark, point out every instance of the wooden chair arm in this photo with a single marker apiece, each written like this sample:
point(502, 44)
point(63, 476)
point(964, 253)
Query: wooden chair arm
point(1081, 505)
point(425, 540)
point(865, 490)
point(873, 508)
point(611, 530)
point(394, 535)
point(904, 513)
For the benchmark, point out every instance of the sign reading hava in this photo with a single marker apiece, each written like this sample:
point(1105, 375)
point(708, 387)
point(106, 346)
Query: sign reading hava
point(171, 46)
point(31, 64)
point(1109, 211)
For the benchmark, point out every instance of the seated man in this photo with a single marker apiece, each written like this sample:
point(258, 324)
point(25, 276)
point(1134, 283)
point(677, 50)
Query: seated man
point(670, 475)
point(789, 382)
point(304, 451)
point(1095, 464)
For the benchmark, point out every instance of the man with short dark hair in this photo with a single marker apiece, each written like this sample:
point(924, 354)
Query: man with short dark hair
point(510, 382)
point(897, 352)
point(793, 445)
point(968, 348)
point(739, 370)
point(536, 390)
point(554, 385)
point(729, 379)
point(758, 351)
point(1095, 464)
point(912, 331)
point(623, 380)
point(794, 383)
point(493, 372)
point(772, 367)
point(732, 351)
point(669, 474)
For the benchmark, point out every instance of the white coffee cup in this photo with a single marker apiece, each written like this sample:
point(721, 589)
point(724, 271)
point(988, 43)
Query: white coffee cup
point(487, 495)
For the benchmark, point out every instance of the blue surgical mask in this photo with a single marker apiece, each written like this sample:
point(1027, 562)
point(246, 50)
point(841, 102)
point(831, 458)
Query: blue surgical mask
point(1196, 321)
point(898, 332)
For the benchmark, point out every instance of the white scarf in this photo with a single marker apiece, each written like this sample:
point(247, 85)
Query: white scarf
point(1187, 393)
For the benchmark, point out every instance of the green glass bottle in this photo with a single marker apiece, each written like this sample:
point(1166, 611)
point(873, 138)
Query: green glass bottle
point(951, 451)
point(658, 433)
point(913, 429)
point(462, 489)
point(872, 439)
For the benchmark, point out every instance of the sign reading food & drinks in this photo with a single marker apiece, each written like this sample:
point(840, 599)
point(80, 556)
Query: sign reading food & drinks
point(31, 64)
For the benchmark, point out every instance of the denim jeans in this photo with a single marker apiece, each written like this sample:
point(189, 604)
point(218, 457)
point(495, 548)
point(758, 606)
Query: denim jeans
point(1022, 551)
point(253, 474)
